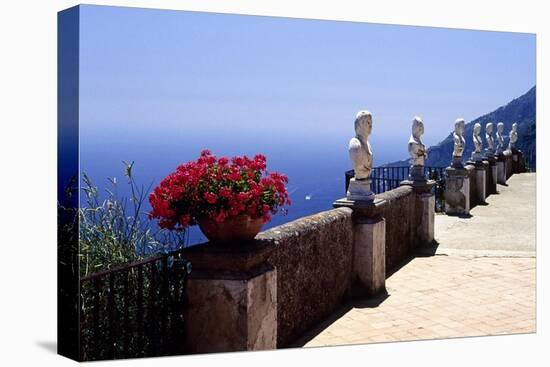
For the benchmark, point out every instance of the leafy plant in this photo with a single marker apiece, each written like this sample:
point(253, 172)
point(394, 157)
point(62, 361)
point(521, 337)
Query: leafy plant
point(113, 231)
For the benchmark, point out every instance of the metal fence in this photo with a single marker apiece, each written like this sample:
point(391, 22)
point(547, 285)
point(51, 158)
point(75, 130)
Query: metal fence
point(388, 178)
point(136, 310)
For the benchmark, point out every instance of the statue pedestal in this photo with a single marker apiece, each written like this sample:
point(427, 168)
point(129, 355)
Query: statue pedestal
point(232, 298)
point(477, 157)
point(425, 208)
point(481, 169)
point(360, 190)
point(518, 161)
point(491, 174)
point(521, 167)
point(501, 169)
point(457, 191)
point(457, 163)
point(509, 163)
point(416, 173)
point(369, 247)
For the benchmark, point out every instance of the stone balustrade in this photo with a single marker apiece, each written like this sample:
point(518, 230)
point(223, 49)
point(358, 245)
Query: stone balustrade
point(264, 294)
point(469, 186)
point(267, 293)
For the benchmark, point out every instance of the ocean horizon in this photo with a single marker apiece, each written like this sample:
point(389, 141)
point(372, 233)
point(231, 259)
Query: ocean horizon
point(316, 172)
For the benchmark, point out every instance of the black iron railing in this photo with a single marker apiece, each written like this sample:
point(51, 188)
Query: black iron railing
point(135, 310)
point(388, 178)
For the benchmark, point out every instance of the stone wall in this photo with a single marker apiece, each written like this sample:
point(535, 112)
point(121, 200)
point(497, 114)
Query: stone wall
point(237, 303)
point(313, 258)
point(401, 224)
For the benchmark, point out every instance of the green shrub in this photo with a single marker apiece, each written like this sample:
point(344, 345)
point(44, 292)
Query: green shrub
point(115, 230)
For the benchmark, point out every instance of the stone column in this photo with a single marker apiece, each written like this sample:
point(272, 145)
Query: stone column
point(518, 161)
point(481, 169)
point(369, 246)
point(521, 162)
point(509, 163)
point(501, 169)
point(457, 191)
point(424, 209)
point(491, 174)
point(470, 169)
point(232, 298)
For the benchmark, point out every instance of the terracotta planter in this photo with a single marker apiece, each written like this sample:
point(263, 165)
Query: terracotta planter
point(241, 228)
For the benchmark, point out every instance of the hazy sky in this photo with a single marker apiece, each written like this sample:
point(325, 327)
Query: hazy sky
point(149, 71)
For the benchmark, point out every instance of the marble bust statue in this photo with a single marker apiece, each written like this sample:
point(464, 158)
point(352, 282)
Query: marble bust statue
point(360, 153)
point(489, 138)
point(500, 137)
point(417, 149)
point(478, 143)
point(513, 136)
point(459, 142)
point(359, 148)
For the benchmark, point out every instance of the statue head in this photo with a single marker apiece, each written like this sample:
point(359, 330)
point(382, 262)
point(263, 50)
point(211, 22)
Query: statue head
point(489, 128)
point(477, 128)
point(515, 127)
point(363, 123)
point(500, 127)
point(417, 127)
point(459, 126)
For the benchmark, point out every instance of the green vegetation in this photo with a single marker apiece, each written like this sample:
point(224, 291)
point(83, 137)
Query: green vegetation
point(115, 230)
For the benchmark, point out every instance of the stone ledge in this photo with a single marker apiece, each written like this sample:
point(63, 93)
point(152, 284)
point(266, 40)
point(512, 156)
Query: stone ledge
point(235, 274)
point(362, 209)
point(228, 258)
point(420, 187)
point(302, 226)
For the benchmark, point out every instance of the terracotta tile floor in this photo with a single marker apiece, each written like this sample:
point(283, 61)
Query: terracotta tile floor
point(440, 297)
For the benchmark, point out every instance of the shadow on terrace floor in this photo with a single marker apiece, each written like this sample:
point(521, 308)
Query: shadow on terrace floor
point(427, 250)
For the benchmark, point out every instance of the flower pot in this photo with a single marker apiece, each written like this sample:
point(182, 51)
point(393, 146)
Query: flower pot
point(237, 229)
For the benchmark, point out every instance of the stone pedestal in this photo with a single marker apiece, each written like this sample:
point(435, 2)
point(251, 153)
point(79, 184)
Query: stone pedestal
point(359, 190)
point(518, 161)
point(481, 169)
point(424, 209)
point(477, 157)
point(491, 174)
point(501, 169)
point(470, 169)
point(522, 166)
point(509, 163)
point(369, 246)
point(494, 175)
point(457, 191)
point(232, 299)
point(416, 173)
point(457, 163)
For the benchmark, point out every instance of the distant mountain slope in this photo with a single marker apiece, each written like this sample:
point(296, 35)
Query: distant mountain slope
point(521, 110)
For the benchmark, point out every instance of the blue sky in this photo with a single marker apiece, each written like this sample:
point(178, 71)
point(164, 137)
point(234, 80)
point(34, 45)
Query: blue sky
point(147, 72)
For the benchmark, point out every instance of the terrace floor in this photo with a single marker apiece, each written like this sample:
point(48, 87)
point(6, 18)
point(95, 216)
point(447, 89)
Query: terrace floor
point(479, 280)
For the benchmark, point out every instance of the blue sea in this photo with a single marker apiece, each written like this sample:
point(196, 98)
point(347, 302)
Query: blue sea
point(314, 164)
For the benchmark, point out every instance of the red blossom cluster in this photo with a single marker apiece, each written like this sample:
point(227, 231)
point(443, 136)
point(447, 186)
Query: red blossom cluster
point(218, 188)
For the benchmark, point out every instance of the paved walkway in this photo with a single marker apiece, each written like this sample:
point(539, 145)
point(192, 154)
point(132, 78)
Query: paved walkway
point(507, 223)
point(484, 288)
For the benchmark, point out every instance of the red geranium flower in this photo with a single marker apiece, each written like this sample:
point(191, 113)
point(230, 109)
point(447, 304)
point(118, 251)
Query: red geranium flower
point(218, 189)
